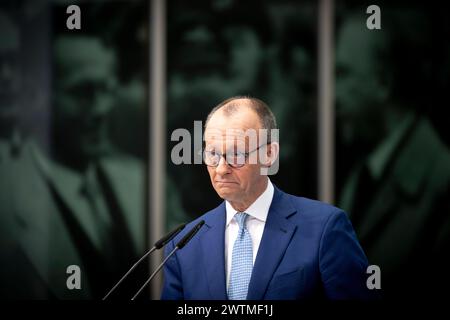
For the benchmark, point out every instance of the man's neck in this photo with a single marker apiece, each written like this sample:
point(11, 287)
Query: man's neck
point(241, 206)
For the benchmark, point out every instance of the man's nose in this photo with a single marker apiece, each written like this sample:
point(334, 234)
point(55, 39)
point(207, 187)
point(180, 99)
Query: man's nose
point(6, 77)
point(223, 168)
point(101, 105)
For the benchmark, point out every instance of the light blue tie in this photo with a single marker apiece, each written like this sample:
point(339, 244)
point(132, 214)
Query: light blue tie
point(242, 261)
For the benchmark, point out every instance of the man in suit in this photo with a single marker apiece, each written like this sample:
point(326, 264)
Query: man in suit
point(397, 194)
point(261, 243)
point(84, 205)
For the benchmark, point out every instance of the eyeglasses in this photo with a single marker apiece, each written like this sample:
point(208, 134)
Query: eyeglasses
point(234, 160)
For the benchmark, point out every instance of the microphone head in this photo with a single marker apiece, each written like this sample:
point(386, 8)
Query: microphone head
point(164, 240)
point(190, 235)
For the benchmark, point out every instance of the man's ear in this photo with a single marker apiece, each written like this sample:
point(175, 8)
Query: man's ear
point(269, 159)
point(272, 153)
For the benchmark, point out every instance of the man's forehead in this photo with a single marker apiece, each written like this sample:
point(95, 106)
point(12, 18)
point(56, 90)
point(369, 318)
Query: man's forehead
point(225, 144)
point(231, 135)
point(226, 134)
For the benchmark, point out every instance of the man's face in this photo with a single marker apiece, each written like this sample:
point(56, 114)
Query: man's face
point(360, 90)
point(84, 93)
point(214, 63)
point(9, 70)
point(226, 135)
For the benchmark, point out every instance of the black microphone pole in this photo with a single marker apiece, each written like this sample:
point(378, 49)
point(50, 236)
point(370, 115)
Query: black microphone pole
point(178, 246)
point(154, 273)
point(158, 245)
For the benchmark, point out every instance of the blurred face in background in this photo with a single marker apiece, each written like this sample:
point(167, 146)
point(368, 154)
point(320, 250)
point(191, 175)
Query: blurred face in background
point(9, 72)
point(214, 62)
point(361, 91)
point(84, 86)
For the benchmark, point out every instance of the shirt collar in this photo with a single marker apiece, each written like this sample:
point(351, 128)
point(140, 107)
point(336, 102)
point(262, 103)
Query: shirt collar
point(258, 209)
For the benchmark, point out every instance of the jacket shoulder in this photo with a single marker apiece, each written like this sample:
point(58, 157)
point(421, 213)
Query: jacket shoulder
point(211, 217)
point(311, 209)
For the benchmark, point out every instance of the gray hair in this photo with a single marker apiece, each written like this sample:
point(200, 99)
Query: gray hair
point(231, 106)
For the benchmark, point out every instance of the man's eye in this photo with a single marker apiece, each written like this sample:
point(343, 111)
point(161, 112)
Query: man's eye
point(238, 158)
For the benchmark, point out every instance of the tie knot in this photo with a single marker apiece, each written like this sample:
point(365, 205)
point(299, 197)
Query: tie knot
point(240, 219)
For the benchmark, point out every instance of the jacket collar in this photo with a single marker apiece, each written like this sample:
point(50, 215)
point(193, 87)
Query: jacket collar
point(277, 234)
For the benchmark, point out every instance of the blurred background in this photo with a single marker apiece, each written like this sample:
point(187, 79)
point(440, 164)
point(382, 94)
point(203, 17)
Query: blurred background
point(86, 118)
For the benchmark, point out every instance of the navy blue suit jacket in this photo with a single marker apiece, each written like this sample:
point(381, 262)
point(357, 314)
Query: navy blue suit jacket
point(308, 250)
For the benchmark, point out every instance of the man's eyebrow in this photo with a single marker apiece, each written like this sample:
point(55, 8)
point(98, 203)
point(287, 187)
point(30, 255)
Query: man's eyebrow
point(236, 149)
point(212, 147)
point(228, 150)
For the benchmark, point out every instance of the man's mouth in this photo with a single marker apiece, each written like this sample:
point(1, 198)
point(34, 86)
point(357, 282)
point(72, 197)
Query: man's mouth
point(226, 182)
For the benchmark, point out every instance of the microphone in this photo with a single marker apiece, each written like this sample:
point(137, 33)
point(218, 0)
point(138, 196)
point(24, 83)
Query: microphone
point(164, 240)
point(158, 245)
point(178, 246)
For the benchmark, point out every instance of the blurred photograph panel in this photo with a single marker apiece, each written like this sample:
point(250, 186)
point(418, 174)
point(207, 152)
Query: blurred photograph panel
point(73, 110)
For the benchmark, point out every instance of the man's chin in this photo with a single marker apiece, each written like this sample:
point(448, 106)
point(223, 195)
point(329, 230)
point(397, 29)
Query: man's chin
point(95, 149)
point(226, 193)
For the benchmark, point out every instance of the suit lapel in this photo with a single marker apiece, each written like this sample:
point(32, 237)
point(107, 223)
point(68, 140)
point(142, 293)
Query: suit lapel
point(66, 185)
point(404, 181)
point(127, 195)
point(214, 260)
point(277, 235)
point(49, 257)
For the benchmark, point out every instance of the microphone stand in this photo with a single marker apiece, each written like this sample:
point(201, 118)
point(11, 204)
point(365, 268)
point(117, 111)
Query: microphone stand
point(158, 245)
point(187, 237)
point(128, 272)
point(155, 272)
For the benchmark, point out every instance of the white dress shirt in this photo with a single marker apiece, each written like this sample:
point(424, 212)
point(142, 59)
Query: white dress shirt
point(256, 220)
